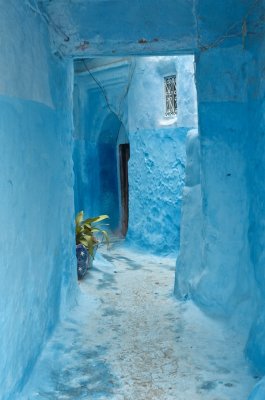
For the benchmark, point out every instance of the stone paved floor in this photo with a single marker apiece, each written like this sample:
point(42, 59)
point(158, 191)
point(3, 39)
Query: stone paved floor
point(129, 339)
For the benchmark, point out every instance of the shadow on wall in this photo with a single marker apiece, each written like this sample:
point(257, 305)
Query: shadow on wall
point(108, 199)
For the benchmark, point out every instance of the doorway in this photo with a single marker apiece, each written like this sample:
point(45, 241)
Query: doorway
point(124, 156)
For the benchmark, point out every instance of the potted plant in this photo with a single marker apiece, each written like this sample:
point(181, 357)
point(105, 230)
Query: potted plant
point(89, 235)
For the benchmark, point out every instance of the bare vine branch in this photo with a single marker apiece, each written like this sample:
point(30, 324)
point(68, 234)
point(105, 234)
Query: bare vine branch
point(243, 32)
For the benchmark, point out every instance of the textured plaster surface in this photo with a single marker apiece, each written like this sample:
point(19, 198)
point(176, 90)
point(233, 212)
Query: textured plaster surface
point(158, 159)
point(232, 236)
point(156, 185)
point(130, 339)
point(20, 77)
point(189, 264)
point(223, 282)
point(227, 279)
point(255, 156)
point(36, 195)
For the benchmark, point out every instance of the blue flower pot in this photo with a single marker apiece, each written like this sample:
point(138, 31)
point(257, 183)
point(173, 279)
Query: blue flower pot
point(84, 261)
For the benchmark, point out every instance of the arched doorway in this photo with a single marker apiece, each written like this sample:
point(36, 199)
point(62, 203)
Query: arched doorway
point(113, 156)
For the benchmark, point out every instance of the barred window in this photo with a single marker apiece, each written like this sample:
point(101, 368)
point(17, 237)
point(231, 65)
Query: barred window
point(170, 84)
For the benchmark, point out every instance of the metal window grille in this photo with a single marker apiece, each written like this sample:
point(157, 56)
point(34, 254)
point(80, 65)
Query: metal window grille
point(170, 83)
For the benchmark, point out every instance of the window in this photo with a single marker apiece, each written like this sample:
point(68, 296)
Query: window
point(170, 83)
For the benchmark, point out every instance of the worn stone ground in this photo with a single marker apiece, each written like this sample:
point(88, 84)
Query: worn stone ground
point(129, 339)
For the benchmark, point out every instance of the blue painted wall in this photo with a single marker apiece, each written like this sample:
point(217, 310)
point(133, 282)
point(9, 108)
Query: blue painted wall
point(221, 281)
point(189, 260)
point(157, 163)
point(227, 279)
point(255, 349)
point(37, 263)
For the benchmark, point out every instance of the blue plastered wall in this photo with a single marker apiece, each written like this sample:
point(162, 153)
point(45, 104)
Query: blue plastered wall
point(255, 349)
point(37, 264)
point(222, 277)
point(227, 279)
point(157, 162)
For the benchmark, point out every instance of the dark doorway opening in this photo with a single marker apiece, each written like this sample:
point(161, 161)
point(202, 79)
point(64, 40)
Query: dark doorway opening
point(124, 151)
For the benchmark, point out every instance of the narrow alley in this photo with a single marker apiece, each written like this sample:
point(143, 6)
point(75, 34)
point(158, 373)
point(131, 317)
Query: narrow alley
point(129, 339)
point(138, 126)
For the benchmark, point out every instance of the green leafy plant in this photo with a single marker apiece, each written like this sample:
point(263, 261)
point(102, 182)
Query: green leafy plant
point(89, 231)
